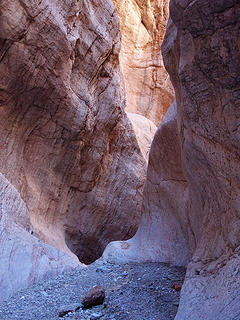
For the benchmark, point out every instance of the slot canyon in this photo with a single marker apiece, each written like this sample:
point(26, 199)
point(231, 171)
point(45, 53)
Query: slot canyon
point(120, 143)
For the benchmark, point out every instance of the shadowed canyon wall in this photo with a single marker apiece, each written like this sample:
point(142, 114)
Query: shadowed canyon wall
point(148, 88)
point(70, 153)
point(24, 258)
point(191, 208)
point(204, 35)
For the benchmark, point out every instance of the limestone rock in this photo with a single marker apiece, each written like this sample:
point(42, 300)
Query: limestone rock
point(164, 231)
point(144, 130)
point(148, 89)
point(66, 143)
point(24, 258)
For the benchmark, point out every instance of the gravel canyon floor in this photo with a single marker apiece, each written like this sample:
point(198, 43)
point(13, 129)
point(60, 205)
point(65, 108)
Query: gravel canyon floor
point(133, 291)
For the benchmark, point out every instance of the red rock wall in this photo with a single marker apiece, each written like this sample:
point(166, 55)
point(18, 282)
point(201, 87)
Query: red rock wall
point(66, 142)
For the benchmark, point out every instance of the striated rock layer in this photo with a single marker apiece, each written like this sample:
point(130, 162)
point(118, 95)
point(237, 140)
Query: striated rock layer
point(148, 89)
point(194, 213)
point(66, 143)
point(203, 42)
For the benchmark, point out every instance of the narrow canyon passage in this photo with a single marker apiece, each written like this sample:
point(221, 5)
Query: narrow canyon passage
point(83, 167)
point(70, 154)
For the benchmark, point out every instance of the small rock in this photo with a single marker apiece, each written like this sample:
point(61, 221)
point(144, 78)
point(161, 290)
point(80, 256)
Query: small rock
point(101, 269)
point(94, 297)
point(177, 286)
point(68, 309)
point(95, 316)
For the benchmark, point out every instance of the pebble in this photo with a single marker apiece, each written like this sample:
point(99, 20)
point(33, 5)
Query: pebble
point(101, 269)
point(177, 286)
point(95, 316)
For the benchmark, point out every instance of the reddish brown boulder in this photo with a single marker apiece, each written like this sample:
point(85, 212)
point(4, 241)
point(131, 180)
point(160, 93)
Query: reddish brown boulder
point(94, 297)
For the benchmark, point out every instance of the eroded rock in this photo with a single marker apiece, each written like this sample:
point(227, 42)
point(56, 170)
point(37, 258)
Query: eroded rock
point(202, 42)
point(66, 143)
point(202, 55)
point(164, 230)
point(148, 89)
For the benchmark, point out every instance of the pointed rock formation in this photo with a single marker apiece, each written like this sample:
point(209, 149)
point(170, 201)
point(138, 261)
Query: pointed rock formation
point(148, 89)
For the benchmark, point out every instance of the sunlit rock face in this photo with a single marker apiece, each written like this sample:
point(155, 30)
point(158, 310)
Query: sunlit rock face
point(24, 258)
point(148, 89)
point(66, 143)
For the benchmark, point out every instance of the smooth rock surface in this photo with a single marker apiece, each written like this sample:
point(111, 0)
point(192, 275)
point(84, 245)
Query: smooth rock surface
point(66, 143)
point(105, 211)
point(164, 231)
point(24, 259)
point(148, 89)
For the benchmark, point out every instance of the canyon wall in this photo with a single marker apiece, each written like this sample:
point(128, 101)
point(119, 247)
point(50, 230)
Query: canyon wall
point(191, 210)
point(73, 156)
point(24, 258)
point(148, 88)
point(165, 232)
point(203, 43)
